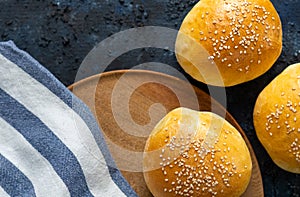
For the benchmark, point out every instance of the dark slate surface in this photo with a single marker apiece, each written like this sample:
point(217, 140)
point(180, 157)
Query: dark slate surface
point(60, 33)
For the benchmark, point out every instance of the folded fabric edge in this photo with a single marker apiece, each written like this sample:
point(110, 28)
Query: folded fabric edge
point(41, 74)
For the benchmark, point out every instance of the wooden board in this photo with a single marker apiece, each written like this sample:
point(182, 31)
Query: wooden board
point(128, 104)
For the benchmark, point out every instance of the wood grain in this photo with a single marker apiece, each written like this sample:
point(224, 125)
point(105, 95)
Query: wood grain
point(128, 104)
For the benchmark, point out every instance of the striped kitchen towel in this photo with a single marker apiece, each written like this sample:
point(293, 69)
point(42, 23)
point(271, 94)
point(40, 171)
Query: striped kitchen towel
point(48, 147)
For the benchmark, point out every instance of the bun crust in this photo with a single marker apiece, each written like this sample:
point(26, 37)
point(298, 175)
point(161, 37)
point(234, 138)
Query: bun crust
point(242, 39)
point(276, 119)
point(191, 153)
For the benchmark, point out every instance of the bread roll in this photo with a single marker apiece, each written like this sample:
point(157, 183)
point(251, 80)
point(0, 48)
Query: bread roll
point(276, 119)
point(241, 38)
point(191, 153)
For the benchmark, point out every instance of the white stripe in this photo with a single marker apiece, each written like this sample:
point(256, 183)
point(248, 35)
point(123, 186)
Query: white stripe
point(15, 148)
point(64, 122)
point(3, 193)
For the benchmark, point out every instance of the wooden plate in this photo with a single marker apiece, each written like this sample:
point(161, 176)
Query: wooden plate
point(128, 104)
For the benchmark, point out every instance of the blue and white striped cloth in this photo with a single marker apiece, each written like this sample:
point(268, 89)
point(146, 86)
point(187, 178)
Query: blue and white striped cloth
point(48, 147)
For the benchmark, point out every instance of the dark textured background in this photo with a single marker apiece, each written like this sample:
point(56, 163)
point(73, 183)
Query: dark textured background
point(60, 33)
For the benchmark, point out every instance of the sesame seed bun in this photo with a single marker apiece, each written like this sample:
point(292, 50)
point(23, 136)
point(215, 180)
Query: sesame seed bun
point(191, 153)
point(242, 39)
point(276, 119)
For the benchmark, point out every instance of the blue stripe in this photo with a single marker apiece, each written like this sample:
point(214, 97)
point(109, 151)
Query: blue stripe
point(13, 181)
point(44, 141)
point(38, 72)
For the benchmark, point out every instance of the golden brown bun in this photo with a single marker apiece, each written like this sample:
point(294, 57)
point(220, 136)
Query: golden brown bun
point(243, 39)
point(276, 119)
point(191, 153)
